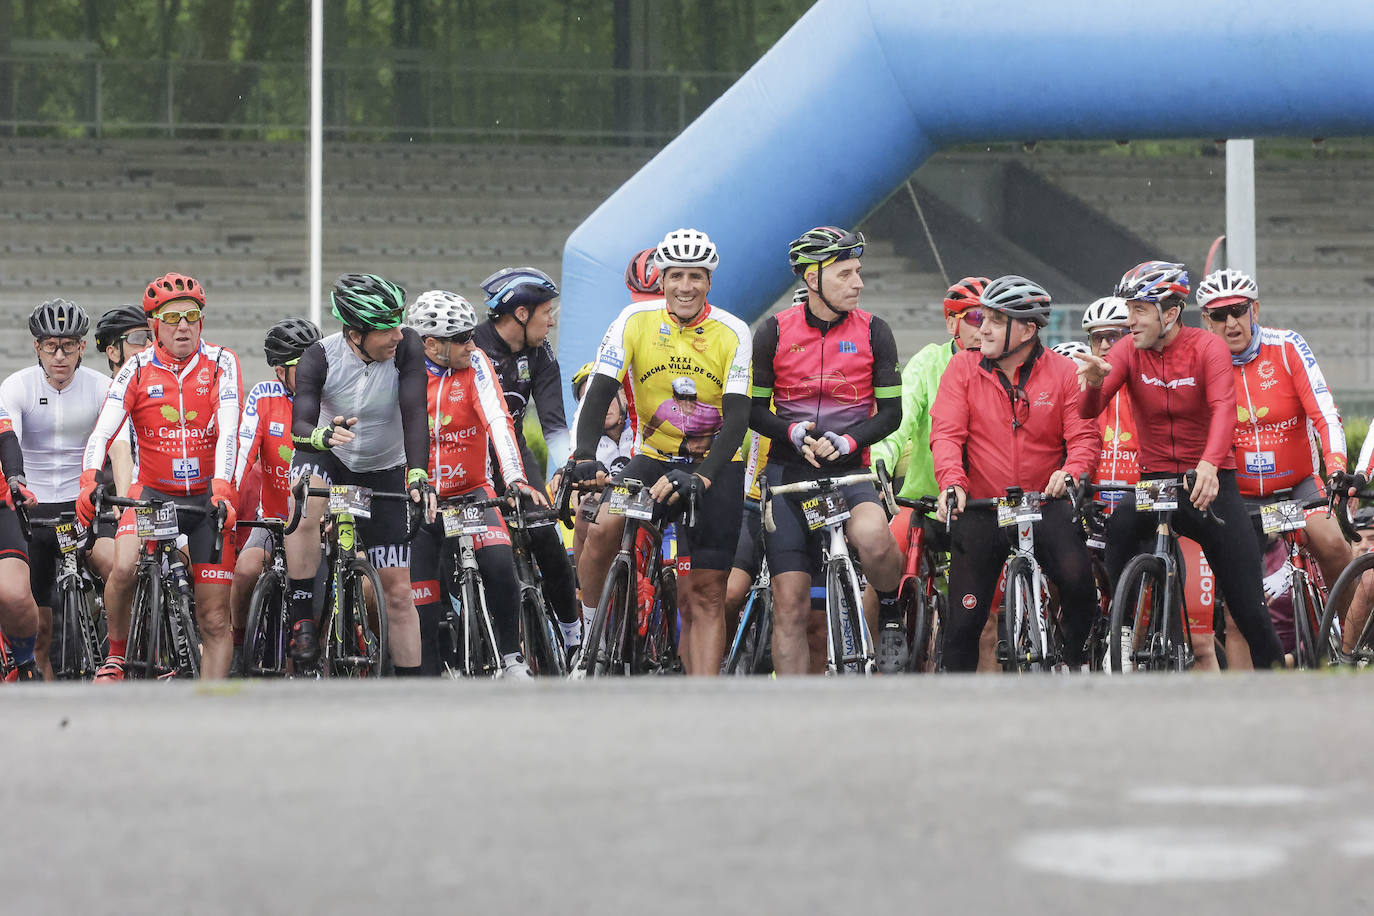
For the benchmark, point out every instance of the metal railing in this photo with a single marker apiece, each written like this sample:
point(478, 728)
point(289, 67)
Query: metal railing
point(268, 100)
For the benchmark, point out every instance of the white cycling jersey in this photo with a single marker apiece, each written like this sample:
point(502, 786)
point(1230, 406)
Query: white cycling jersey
point(53, 427)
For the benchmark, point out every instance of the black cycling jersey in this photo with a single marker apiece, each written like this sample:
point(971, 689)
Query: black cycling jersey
point(530, 373)
point(371, 438)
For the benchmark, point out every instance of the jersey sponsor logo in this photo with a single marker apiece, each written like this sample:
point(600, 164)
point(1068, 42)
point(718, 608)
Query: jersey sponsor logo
point(1043, 400)
point(522, 369)
point(202, 391)
point(739, 373)
point(426, 592)
point(796, 348)
point(848, 346)
point(42, 400)
point(458, 435)
point(228, 394)
point(1308, 359)
point(154, 391)
point(456, 393)
point(174, 432)
point(203, 376)
point(1260, 463)
point(1265, 369)
point(285, 453)
point(664, 330)
point(1189, 382)
point(208, 574)
point(969, 601)
point(276, 429)
point(186, 468)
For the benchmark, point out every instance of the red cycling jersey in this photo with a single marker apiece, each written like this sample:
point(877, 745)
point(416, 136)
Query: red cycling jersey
point(467, 411)
point(1120, 461)
point(1184, 395)
point(1283, 404)
point(185, 419)
point(983, 441)
point(265, 441)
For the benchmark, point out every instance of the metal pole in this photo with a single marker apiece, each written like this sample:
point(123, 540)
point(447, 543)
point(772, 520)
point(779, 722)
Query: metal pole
point(1240, 206)
point(316, 152)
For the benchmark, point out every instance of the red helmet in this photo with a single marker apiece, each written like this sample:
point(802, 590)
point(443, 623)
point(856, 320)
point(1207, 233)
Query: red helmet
point(171, 288)
point(641, 276)
point(964, 295)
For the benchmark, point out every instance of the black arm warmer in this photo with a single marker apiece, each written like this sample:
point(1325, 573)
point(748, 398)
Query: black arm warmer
point(734, 409)
point(11, 456)
point(305, 404)
point(410, 363)
point(761, 416)
point(595, 402)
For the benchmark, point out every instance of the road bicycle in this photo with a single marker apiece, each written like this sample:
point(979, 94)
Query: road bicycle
point(353, 632)
point(267, 632)
point(541, 639)
point(75, 652)
point(1285, 518)
point(849, 644)
point(164, 640)
point(922, 591)
point(1347, 642)
point(751, 650)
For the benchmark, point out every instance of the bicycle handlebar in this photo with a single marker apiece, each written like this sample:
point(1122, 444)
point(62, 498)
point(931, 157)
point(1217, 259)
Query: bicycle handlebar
point(301, 490)
point(219, 512)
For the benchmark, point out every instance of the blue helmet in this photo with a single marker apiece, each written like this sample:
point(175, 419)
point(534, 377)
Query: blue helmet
point(512, 287)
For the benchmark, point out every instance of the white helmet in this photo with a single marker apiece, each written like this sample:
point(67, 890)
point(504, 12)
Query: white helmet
point(440, 313)
point(1226, 284)
point(686, 248)
point(1107, 312)
point(1072, 349)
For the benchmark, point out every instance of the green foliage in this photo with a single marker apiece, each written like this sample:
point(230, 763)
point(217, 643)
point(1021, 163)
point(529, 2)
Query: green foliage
point(1356, 429)
point(534, 438)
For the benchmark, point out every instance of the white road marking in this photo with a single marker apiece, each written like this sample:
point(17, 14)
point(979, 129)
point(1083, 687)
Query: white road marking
point(1161, 855)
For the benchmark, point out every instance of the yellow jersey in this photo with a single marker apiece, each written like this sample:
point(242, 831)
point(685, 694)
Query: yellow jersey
point(676, 375)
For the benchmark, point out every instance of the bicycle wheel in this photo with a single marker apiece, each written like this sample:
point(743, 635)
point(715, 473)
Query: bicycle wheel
point(1331, 638)
point(843, 615)
point(70, 654)
point(184, 645)
point(919, 612)
point(656, 652)
point(145, 627)
point(356, 642)
point(1020, 624)
point(606, 643)
point(1137, 635)
point(481, 658)
point(264, 638)
point(542, 648)
point(1307, 616)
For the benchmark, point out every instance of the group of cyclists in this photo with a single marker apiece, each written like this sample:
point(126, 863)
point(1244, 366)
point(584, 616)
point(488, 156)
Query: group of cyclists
point(421, 396)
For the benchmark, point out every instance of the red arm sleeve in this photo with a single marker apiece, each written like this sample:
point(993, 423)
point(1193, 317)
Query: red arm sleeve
point(949, 425)
point(1221, 400)
point(1082, 435)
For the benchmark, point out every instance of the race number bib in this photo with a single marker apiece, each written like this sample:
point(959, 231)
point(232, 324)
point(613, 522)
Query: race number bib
point(1279, 517)
point(1025, 509)
point(157, 523)
point(355, 501)
point(825, 509)
point(67, 539)
point(640, 505)
point(1150, 497)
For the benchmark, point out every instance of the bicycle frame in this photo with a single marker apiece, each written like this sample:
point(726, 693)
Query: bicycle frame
point(467, 577)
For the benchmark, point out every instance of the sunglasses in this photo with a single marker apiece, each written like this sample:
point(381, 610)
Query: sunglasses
point(50, 347)
point(461, 339)
point(138, 338)
point(168, 316)
point(973, 316)
point(1108, 336)
point(1221, 313)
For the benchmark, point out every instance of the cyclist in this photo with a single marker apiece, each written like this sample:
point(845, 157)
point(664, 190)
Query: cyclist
point(1283, 403)
point(120, 333)
point(53, 406)
point(1073, 349)
point(18, 612)
point(1363, 521)
point(920, 382)
point(642, 277)
point(650, 344)
point(1106, 322)
point(826, 387)
point(1184, 397)
point(355, 391)
point(515, 337)
point(181, 396)
point(613, 450)
point(1006, 416)
point(265, 443)
point(467, 415)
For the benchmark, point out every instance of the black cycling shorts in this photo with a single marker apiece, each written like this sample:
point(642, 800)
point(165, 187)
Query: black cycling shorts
point(712, 541)
point(749, 551)
point(12, 542)
point(792, 547)
point(385, 532)
point(45, 557)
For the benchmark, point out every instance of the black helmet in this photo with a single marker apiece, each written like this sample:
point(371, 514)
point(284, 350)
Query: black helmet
point(115, 323)
point(1017, 297)
point(287, 340)
point(511, 287)
point(59, 318)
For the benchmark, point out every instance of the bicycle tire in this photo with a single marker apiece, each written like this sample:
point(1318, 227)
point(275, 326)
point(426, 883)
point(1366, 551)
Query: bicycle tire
point(842, 606)
point(355, 646)
point(71, 653)
point(185, 644)
point(481, 657)
point(745, 635)
point(1020, 619)
point(919, 612)
point(541, 650)
point(144, 625)
point(603, 649)
point(1133, 609)
point(1306, 605)
point(656, 653)
point(264, 637)
point(1329, 636)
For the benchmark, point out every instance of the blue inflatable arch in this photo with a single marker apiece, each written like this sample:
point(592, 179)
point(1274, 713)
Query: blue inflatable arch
point(860, 92)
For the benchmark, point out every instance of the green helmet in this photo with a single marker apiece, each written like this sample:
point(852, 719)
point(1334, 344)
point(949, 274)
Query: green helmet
point(367, 302)
point(821, 244)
